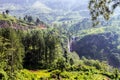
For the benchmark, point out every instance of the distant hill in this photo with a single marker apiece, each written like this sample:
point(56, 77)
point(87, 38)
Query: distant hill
point(53, 4)
point(47, 10)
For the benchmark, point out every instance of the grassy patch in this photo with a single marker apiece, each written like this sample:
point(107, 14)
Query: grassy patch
point(91, 31)
point(7, 18)
point(41, 73)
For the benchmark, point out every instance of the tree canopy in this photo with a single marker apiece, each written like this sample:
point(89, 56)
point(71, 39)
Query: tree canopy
point(102, 8)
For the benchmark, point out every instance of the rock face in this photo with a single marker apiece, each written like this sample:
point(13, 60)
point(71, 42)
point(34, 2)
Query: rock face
point(4, 24)
point(8, 24)
point(102, 46)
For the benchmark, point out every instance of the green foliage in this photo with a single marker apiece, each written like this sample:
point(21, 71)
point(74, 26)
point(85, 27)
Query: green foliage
point(98, 43)
point(4, 43)
point(46, 49)
point(30, 19)
point(7, 11)
point(11, 52)
point(37, 21)
point(7, 18)
point(91, 31)
point(3, 75)
point(42, 47)
point(25, 75)
point(71, 61)
point(61, 64)
point(55, 73)
point(43, 51)
point(102, 8)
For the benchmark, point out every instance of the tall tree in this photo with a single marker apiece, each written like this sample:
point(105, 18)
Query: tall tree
point(37, 21)
point(4, 43)
point(4, 15)
point(7, 11)
point(11, 51)
point(42, 48)
point(16, 51)
point(30, 19)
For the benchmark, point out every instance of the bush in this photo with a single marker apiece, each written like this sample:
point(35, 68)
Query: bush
point(65, 75)
point(55, 74)
point(3, 75)
point(25, 75)
point(61, 64)
point(43, 78)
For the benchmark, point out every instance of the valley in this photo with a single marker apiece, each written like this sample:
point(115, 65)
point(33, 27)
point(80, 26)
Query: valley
point(56, 40)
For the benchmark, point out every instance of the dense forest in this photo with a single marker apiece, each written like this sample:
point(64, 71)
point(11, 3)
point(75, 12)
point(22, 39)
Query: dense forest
point(31, 49)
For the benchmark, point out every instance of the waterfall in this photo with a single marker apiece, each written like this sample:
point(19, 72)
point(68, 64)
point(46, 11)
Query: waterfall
point(70, 42)
point(69, 45)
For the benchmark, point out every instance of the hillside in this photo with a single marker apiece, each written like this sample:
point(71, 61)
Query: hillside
point(8, 21)
point(38, 54)
point(99, 43)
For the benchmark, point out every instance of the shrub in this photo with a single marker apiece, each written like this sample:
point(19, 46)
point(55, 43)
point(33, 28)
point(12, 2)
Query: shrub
point(3, 75)
point(65, 75)
point(55, 74)
point(25, 75)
